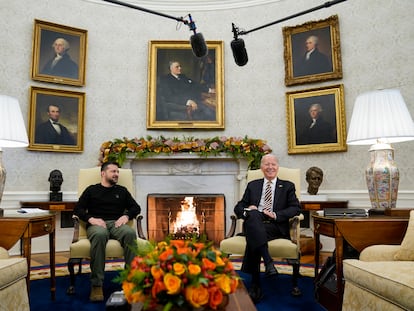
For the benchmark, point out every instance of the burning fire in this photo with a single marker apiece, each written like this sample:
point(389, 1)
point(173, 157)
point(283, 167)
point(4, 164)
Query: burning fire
point(186, 222)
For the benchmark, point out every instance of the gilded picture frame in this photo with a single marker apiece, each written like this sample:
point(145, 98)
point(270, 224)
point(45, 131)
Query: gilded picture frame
point(316, 120)
point(70, 43)
point(66, 108)
point(312, 52)
point(193, 101)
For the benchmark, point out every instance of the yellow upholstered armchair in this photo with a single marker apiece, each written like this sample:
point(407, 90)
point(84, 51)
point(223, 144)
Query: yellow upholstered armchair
point(80, 247)
point(289, 250)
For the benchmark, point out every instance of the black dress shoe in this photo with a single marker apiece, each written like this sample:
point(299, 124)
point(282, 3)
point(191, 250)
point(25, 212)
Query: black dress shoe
point(255, 293)
point(270, 270)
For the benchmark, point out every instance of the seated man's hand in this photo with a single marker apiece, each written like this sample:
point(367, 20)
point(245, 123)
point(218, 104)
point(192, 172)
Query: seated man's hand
point(97, 222)
point(121, 221)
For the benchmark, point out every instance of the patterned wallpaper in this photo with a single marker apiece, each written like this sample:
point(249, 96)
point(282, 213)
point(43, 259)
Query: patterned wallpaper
point(377, 47)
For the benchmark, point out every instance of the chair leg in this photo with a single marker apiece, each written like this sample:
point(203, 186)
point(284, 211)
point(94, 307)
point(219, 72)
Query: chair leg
point(295, 276)
point(71, 264)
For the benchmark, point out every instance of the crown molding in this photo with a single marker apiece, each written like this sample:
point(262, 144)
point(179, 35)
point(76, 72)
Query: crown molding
point(190, 5)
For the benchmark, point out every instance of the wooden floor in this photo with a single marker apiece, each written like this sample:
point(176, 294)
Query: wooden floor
point(62, 257)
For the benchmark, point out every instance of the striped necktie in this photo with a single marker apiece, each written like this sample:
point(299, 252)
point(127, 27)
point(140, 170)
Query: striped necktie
point(268, 197)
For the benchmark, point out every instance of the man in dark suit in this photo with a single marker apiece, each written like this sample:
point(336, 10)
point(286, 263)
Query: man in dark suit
point(179, 98)
point(265, 218)
point(313, 61)
point(53, 132)
point(61, 64)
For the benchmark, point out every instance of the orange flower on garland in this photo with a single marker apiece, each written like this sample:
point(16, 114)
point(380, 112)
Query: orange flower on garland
point(180, 273)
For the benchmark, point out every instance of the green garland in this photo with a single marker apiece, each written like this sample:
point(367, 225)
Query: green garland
point(250, 149)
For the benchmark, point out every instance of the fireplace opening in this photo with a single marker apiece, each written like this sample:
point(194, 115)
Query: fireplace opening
point(186, 215)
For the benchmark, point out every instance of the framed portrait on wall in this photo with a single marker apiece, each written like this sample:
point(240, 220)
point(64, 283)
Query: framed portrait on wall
point(56, 120)
point(59, 53)
point(185, 92)
point(312, 52)
point(316, 120)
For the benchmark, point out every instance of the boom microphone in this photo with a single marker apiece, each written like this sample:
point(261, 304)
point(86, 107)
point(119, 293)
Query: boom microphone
point(198, 44)
point(239, 49)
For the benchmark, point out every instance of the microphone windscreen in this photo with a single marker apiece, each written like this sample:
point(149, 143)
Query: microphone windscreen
point(239, 52)
point(198, 45)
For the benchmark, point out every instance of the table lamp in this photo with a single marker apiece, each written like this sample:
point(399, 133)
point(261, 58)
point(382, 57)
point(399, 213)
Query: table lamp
point(380, 118)
point(12, 132)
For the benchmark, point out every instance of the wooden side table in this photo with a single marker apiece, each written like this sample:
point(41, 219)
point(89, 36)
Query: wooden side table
point(15, 226)
point(50, 205)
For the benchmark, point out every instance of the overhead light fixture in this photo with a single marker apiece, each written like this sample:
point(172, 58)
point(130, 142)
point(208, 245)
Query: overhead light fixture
point(12, 132)
point(198, 44)
point(238, 46)
point(380, 118)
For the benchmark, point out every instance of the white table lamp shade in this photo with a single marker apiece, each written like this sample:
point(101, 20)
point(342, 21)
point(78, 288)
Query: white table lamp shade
point(380, 115)
point(12, 129)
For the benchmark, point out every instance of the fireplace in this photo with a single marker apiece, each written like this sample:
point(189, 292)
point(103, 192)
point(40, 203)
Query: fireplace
point(184, 216)
point(184, 173)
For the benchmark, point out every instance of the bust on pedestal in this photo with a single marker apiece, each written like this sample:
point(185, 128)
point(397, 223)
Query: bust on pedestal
point(55, 180)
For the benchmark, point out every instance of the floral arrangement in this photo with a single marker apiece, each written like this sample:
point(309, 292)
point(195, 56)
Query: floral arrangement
point(180, 273)
point(249, 148)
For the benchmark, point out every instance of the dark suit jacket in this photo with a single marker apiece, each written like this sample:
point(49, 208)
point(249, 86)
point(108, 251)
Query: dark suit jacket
point(285, 203)
point(46, 134)
point(317, 63)
point(172, 96)
point(321, 133)
point(65, 67)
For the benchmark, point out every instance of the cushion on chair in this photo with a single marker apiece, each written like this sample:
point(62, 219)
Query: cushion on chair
point(406, 251)
point(282, 248)
point(379, 252)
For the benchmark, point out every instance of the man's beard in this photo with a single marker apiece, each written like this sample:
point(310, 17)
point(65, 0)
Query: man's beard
point(113, 181)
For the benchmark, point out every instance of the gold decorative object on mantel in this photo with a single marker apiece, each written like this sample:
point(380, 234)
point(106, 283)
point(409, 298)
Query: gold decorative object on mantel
point(251, 149)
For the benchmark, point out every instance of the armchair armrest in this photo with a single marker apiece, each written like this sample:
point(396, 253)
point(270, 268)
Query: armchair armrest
point(294, 224)
point(379, 253)
point(76, 221)
point(140, 232)
point(232, 229)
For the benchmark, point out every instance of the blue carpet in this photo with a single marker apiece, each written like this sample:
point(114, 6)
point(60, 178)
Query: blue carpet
point(276, 294)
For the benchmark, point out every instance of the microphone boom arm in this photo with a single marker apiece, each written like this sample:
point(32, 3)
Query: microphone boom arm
point(178, 19)
point(237, 33)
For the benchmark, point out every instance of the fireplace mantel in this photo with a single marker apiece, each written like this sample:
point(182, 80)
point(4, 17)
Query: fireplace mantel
point(188, 173)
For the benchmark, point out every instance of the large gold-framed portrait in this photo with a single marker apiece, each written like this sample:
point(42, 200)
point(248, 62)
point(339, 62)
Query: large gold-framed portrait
point(59, 53)
point(312, 52)
point(56, 120)
point(316, 120)
point(185, 92)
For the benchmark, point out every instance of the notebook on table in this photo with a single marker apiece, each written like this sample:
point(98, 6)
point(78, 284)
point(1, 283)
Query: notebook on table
point(345, 212)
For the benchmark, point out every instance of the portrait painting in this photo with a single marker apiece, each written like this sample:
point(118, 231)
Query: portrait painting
point(185, 92)
point(59, 54)
point(312, 52)
point(316, 120)
point(56, 120)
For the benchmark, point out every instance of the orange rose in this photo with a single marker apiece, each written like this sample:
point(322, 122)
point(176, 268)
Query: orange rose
point(194, 269)
point(130, 295)
point(157, 287)
point(177, 243)
point(197, 296)
point(178, 268)
point(216, 297)
point(165, 255)
point(234, 283)
point(172, 283)
point(157, 272)
point(208, 264)
point(223, 282)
